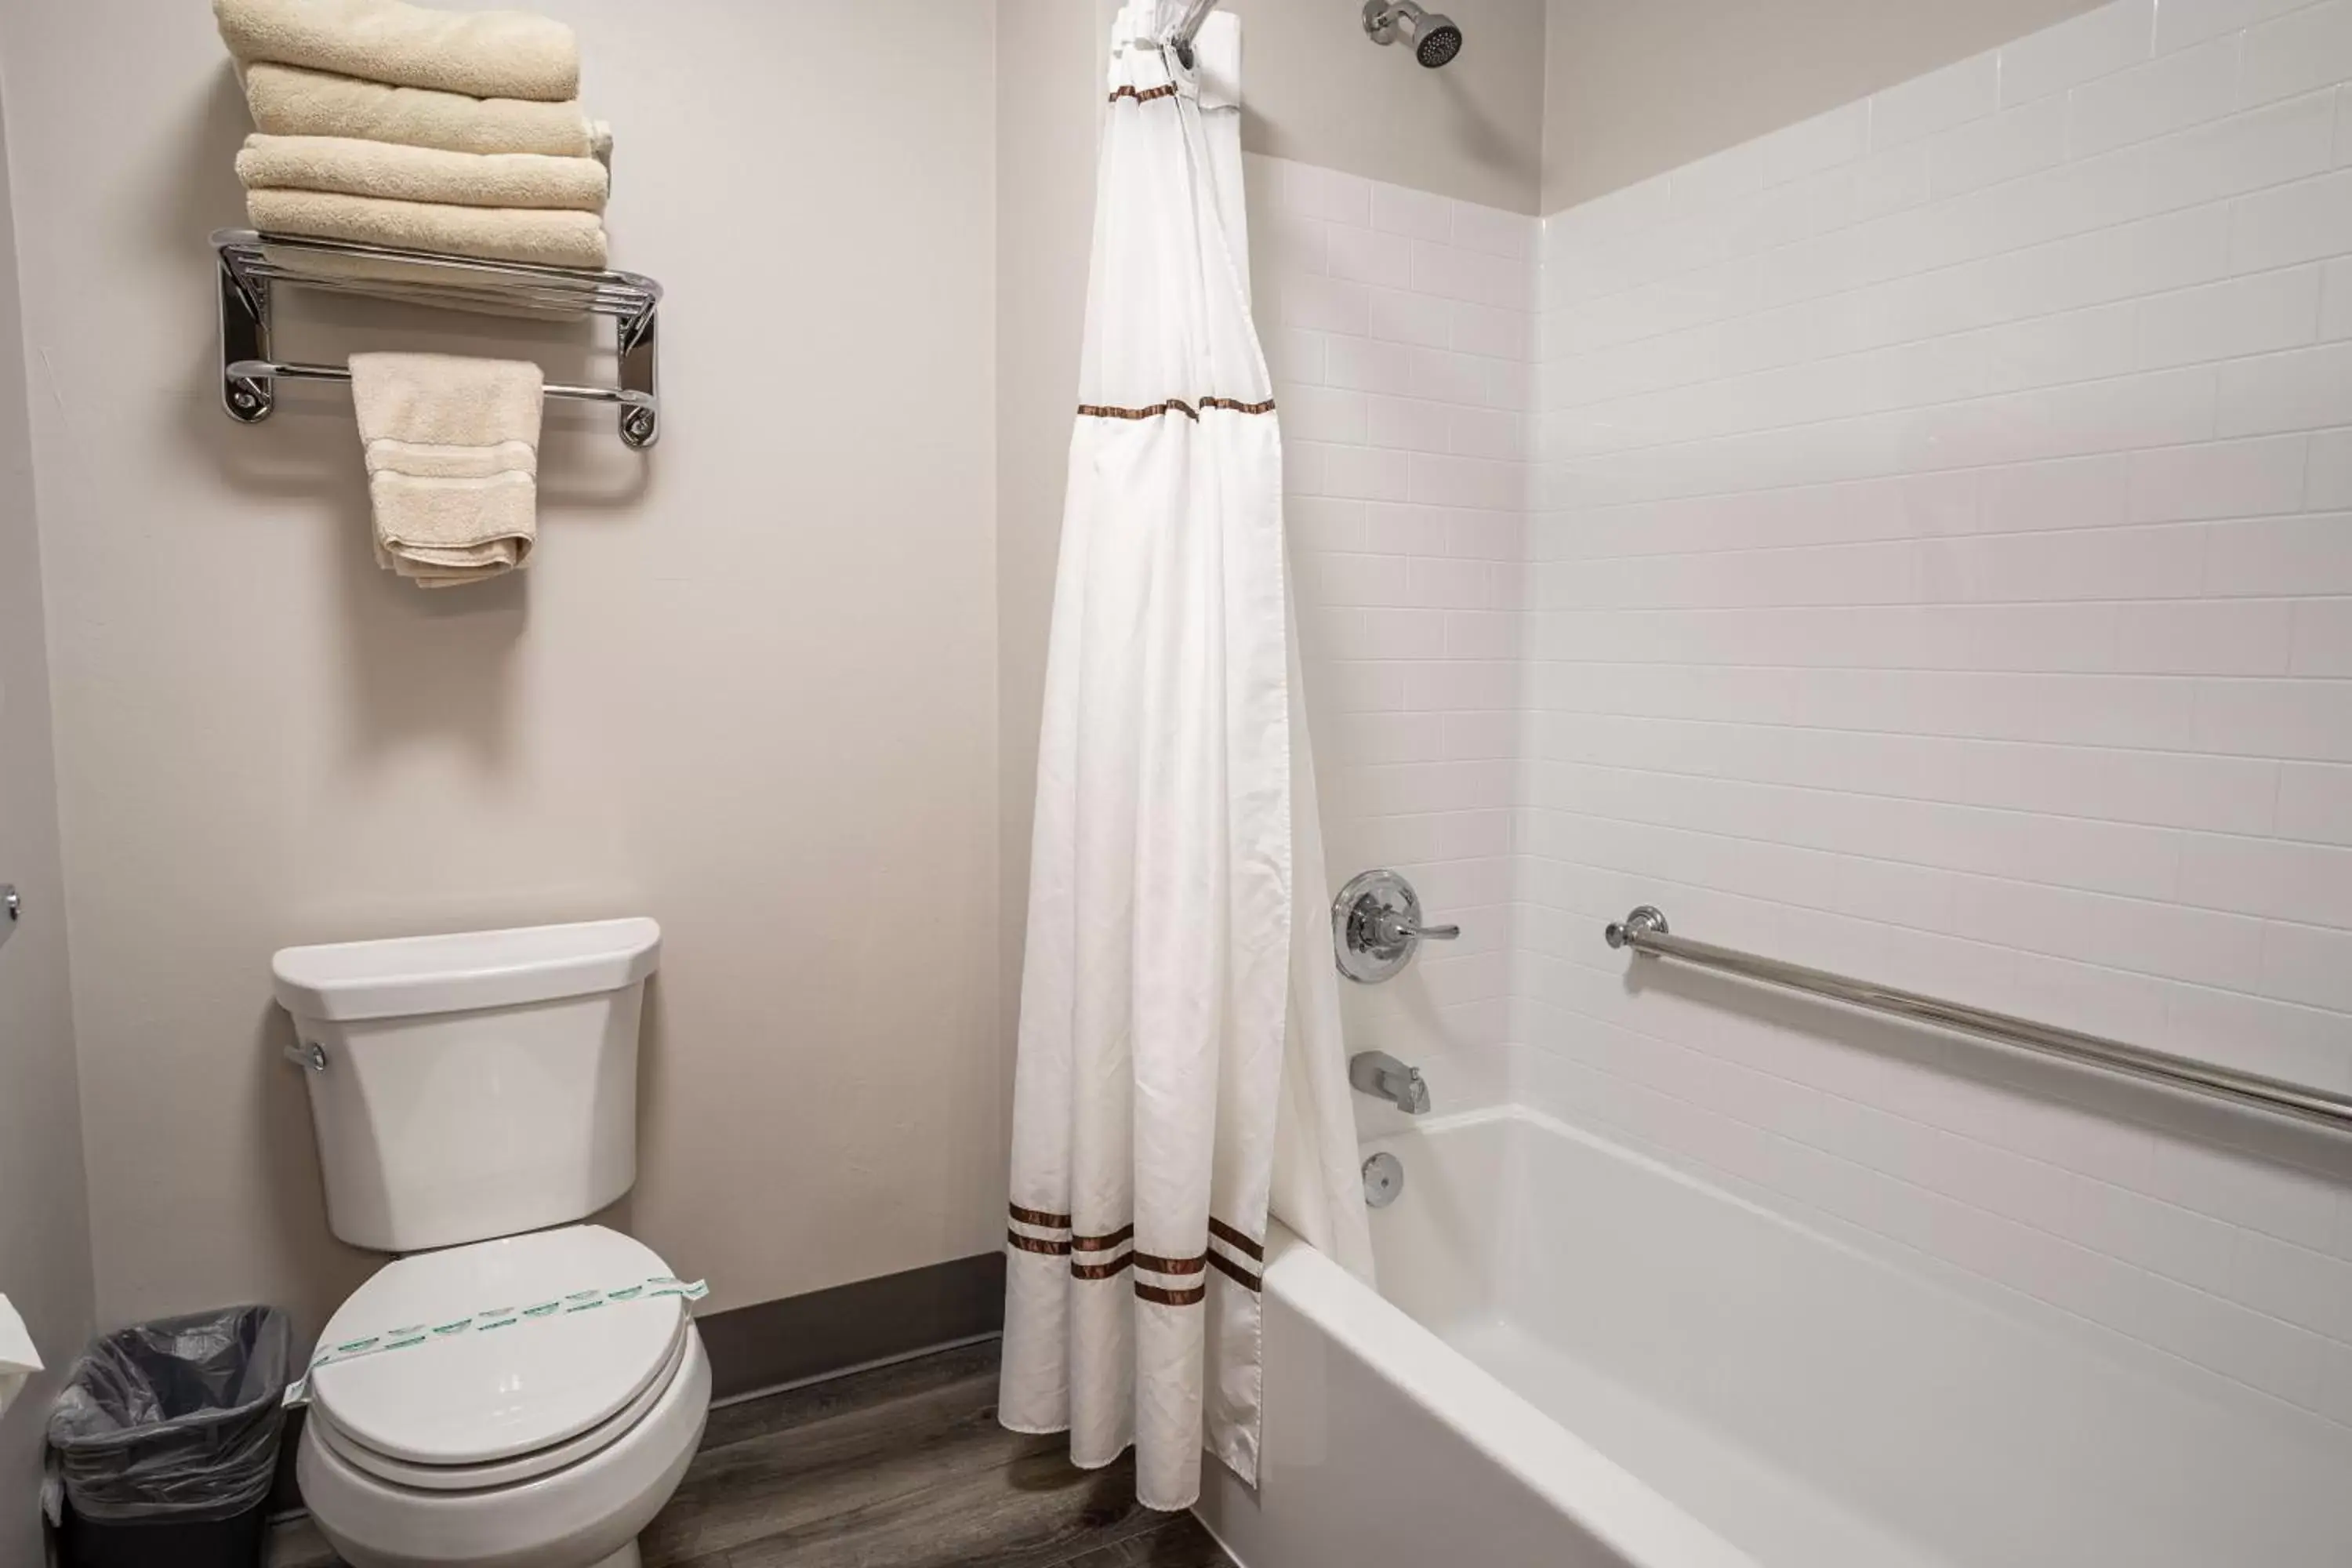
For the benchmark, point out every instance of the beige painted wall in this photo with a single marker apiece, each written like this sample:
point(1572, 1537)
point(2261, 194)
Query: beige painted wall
point(1049, 56)
point(1634, 87)
point(45, 1269)
point(747, 687)
point(1319, 91)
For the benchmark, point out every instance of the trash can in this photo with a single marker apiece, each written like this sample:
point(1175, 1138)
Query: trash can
point(166, 1440)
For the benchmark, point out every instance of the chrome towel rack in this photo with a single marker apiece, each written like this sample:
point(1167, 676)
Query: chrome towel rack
point(1645, 931)
point(253, 266)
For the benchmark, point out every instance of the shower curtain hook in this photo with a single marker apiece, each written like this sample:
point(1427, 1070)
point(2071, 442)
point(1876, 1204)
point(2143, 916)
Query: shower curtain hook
point(1180, 37)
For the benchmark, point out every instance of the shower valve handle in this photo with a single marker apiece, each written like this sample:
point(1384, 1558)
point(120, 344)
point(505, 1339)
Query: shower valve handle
point(1376, 926)
point(1402, 929)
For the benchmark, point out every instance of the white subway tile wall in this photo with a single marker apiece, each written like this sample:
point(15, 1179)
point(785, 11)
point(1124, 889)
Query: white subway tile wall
point(1938, 568)
point(1401, 329)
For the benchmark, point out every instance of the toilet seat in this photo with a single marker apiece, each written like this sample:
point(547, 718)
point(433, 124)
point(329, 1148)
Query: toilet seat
point(491, 1407)
point(584, 1513)
point(502, 1472)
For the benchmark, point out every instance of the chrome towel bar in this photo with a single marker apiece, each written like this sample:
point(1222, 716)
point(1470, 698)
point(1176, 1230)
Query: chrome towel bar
point(274, 370)
point(255, 267)
point(1644, 930)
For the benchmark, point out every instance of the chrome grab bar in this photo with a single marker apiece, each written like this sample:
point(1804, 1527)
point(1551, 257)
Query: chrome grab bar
point(1644, 930)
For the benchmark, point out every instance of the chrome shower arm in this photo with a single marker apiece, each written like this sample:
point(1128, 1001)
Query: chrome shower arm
point(1436, 38)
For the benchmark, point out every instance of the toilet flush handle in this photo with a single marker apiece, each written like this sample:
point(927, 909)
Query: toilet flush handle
point(312, 1055)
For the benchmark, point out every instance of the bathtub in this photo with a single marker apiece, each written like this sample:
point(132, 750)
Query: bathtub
point(1580, 1356)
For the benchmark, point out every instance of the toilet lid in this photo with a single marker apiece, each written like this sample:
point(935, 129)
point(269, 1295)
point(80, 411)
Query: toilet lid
point(478, 1397)
point(500, 1473)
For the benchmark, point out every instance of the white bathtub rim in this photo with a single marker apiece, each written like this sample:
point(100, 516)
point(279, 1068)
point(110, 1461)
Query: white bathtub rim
point(1881, 1250)
point(1607, 1501)
point(1600, 1142)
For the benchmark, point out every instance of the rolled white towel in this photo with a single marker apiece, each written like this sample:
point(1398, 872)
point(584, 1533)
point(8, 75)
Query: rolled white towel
point(487, 54)
point(385, 169)
point(288, 100)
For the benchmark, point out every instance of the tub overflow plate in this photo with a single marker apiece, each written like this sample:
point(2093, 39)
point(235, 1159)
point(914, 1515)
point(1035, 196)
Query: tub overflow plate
point(1383, 1180)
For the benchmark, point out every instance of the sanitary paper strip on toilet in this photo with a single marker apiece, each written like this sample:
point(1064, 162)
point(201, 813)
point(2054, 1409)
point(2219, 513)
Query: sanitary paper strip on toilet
point(18, 1359)
point(489, 1320)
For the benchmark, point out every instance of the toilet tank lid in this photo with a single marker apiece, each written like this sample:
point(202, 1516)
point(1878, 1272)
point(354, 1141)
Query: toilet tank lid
point(410, 976)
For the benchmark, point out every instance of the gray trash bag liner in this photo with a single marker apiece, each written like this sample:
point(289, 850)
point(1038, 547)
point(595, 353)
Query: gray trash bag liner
point(177, 1419)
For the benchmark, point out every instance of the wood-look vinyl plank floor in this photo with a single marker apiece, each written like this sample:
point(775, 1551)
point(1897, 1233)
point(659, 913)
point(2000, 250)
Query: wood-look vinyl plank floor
point(900, 1466)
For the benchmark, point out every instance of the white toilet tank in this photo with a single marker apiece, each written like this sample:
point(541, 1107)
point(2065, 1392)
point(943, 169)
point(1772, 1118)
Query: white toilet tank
point(471, 1086)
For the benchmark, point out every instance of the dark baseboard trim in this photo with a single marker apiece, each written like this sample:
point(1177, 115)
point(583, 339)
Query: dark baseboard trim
point(803, 1338)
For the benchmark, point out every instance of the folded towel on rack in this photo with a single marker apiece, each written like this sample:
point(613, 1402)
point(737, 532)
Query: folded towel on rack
point(487, 54)
point(358, 168)
point(452, 448)
point(548, 235)
point(288, 100)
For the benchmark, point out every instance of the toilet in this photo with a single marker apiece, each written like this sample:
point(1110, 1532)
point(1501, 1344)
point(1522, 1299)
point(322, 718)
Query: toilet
point(524, 1389)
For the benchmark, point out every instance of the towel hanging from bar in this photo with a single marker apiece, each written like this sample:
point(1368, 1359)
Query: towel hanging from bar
point(452, 448)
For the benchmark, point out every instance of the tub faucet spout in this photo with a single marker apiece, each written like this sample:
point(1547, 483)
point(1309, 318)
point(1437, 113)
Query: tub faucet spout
point(1383, 1076)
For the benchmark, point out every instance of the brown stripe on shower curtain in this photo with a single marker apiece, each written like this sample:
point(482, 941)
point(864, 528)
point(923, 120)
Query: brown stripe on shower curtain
point(1112, 1241)
point(1171, 1265)
point(1237, 1241)
point(1031, 1244)
point(1191, 1298)
point(1043, 1219)
point(1109, 1242)
point(1235, 1272)
point(1173, 405)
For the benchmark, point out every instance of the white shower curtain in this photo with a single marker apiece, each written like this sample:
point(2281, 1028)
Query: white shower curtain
point(1177, 925)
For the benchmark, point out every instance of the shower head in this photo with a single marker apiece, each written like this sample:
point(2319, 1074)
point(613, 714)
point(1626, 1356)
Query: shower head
point(1436, 38)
